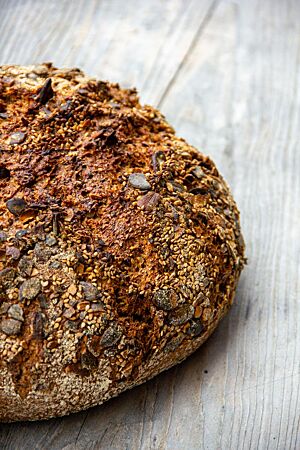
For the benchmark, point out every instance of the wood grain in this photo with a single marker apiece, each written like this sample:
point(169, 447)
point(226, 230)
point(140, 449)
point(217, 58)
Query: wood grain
point(227, 76)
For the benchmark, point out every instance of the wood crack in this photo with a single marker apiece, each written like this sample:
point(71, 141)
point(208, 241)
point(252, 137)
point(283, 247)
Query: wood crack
point(189, 51)
point(81, 427)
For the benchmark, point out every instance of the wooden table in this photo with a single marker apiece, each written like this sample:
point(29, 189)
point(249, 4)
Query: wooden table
point(227, 76)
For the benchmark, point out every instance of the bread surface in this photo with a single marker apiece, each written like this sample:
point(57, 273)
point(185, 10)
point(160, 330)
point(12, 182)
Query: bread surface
point(120, 244)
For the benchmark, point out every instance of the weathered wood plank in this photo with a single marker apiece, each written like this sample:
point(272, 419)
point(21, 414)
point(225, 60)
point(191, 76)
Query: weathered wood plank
point(134, 43)
point(241, 84)
point(226, 74)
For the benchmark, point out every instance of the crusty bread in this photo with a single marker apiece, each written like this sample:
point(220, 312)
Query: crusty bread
point(120, 244)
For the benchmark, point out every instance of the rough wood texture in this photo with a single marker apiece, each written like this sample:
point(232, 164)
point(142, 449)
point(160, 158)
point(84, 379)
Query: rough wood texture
point(226, 74)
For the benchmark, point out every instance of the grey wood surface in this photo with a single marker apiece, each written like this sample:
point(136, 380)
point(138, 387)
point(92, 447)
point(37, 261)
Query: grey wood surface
point(227, 76)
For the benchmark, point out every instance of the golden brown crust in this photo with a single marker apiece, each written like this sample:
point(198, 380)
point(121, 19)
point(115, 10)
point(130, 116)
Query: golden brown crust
point(120, 245)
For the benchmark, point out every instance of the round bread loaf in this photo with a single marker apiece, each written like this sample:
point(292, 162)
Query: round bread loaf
point(120, 244)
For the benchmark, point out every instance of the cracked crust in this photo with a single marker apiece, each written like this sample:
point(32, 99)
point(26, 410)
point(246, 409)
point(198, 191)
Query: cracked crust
point(120, 244)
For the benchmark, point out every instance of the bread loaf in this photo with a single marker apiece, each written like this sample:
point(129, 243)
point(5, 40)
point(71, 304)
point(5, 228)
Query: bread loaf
point(120, 244)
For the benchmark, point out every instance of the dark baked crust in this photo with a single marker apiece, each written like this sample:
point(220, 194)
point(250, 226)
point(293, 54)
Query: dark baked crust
point(120, 245)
